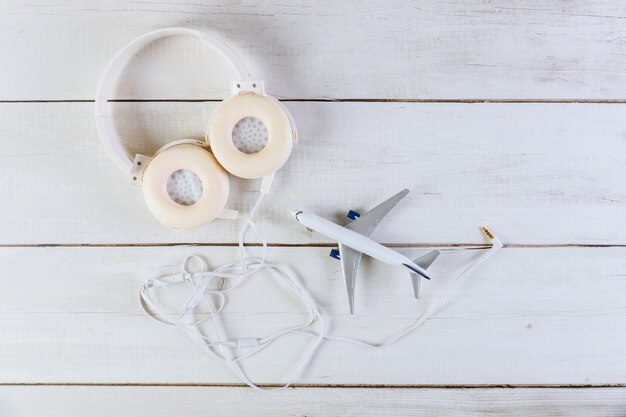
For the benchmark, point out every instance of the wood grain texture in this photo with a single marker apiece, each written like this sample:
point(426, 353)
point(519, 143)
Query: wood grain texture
point(541, 175)
point(528, 316)
point(312, 402)
point(455, 49)
point(536, 173)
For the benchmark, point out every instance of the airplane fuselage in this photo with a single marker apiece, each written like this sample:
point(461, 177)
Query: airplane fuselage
point(354, 240)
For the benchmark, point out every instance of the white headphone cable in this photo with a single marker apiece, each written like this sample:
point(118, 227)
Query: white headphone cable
point(236, 272)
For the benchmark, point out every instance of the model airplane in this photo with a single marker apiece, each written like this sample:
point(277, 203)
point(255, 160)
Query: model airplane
point(354, 241)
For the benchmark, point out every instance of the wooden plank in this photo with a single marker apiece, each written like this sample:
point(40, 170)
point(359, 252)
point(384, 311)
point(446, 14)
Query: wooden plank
point(71, 401)
point(536, 173)
point(324, 49)
point(528, 316)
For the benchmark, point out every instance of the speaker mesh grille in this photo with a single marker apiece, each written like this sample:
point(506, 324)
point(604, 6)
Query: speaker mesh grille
point(184, 187)
point(250, 135)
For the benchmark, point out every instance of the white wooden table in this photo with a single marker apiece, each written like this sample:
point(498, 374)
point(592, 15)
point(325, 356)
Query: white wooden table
point(509, 113)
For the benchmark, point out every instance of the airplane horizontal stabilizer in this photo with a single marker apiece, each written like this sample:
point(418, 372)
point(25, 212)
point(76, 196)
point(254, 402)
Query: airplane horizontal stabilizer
point(424, 261)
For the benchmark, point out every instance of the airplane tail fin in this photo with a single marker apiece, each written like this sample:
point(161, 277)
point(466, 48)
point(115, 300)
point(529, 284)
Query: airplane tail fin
point(424, 261)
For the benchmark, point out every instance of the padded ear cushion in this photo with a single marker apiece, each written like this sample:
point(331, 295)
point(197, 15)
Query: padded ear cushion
point(215, 187)
point(280, 136)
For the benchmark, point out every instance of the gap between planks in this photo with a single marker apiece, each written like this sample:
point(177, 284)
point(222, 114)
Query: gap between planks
point(467, 246)
point(347, 100)
point(356, 386)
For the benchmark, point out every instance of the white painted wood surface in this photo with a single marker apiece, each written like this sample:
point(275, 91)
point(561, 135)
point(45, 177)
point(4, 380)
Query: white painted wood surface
point(529, 316)
point(536, 173)
point(455, 49)
point(79, 401)
point(548, 177)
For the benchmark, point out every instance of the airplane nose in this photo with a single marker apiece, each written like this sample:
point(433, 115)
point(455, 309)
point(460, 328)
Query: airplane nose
point(294, 214)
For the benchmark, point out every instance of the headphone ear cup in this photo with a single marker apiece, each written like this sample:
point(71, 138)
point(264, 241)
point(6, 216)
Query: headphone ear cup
point(280, 135)
point(193, 207)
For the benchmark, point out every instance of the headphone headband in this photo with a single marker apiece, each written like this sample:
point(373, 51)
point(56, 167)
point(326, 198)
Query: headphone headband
point(110, 139)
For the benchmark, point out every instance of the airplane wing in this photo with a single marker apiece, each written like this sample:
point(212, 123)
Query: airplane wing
point(350, 260)
point(366, 223)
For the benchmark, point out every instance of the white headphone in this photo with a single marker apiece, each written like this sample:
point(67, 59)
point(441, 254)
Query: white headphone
point(249, 113)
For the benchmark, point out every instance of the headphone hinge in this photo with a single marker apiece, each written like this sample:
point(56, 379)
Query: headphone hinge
point(136, 171)
point(243, 87)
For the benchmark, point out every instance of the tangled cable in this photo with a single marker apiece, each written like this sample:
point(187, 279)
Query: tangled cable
point(209, 289)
